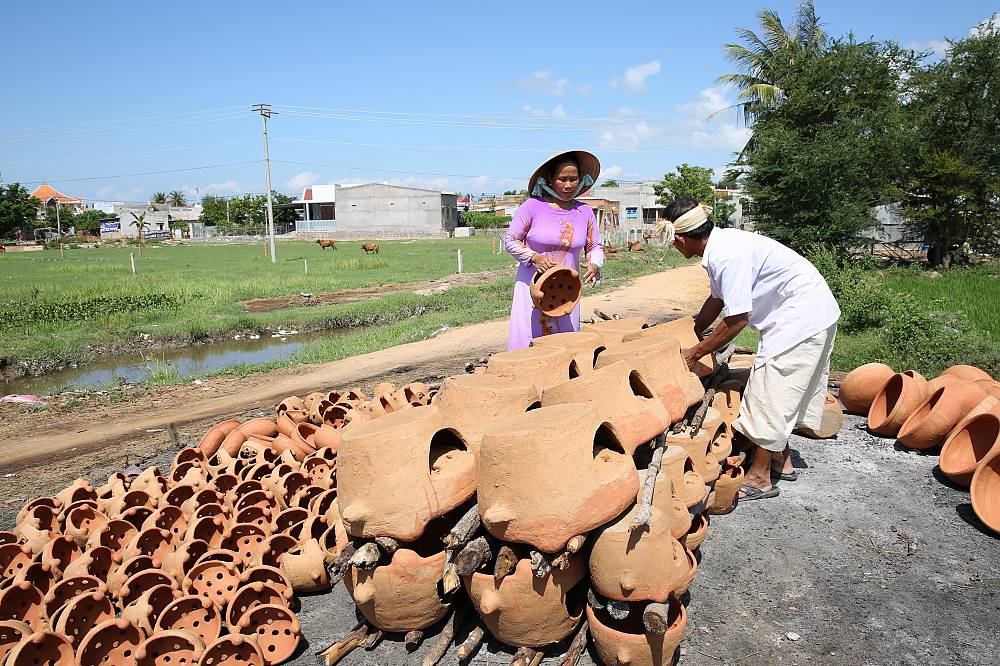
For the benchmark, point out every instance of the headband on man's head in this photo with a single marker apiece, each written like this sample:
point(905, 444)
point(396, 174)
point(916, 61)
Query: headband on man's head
point(689, 221)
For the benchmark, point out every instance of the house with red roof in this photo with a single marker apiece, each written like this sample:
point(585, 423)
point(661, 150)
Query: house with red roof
point(45, 193)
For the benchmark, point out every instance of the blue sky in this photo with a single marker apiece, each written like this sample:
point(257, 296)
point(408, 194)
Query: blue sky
point(463, 96)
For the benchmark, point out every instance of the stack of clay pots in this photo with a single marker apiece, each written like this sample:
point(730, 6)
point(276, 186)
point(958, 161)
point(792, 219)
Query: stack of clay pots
point(957, 412)
point(198, 565)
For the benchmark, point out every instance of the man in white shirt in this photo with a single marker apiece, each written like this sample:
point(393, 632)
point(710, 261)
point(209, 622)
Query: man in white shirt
point(758, 282)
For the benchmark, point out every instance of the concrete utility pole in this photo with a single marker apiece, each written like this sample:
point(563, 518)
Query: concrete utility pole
point(265, 113)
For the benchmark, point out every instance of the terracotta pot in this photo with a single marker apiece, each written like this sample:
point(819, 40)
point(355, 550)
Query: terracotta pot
point(201, 498)
point(212, 440)
point(180, 561)
point(472, 402)
point(550, 474)
point(14, 558)
point(117, 484)
point(622, 396)
point(831, 421)
point(613, 330)
point(292, 402)
point(991, 387)
point(526, 611)
point(861, 386)
point(186, 455)
point(44, 647)
point(728, 397)
point(321, 475)
point(42, 575)
point(273, 577)
point(277, 631)
point(192, 613)
point(153, 542)
point(646, 564)
point(170, 648)
point(169, 518)
point(11, 633)
point(96, 562)
point(233, 441)
point(221, 556)
point(31, 537)
point(683, 330)
point(25, 603)
point(145, 611)
point(141, 582)
point(209, 529)
point(111, 642)
point(50, 503)
point(250, 596)
point(247, 540)
point(399, 472)
point(121, 573)
point(625, 642)
point(260, 516)
point(660, 362)
point(967, 372)
point(935, 417)
point(232, 650)
point(543, 367)
point(667, 502)
point(966, 448)
point(693, 564)
point(312, 528)
point(260, 426)
point(401, 595)
point(213, 580)
point(150, 481)
point(699, 530)
point(305, 567)
point(67, 589)
point(686, 481)
point(116, 535)
point(327, 437)
point(76, 491)
point(896, 400)
point(556, 292)
point(699, 448)
point(585, 347)
point(60, 551)
point(941, 381)
point(417, 393)
point(83, 613)
point(276, 546)
point(727, 488)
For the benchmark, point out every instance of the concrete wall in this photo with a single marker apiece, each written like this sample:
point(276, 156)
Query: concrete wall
point(157, 221)
point(389, 211)
point(633, 199)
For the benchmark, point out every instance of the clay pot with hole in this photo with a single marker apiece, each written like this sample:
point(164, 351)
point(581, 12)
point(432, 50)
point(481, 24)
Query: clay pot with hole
point(292, 402)
point(25, 603)
point(321, 474)
point(152, 541)
point(275, 547)
point(221, 463)
point(727, 400)
point(28, 535)
point(116, 535)
point(311, 528)
point(178, 562)
point(257, 515)
point(223, 556)
point(556, 291)
point(335, 539)
point(683, 330)
point(627, 643)
point(213, 580)
point(659, 360)
point(60, 551)
point(898, 398)
point(170, 648)
point(270, 576)
point(861, 386)
point(526, 611)
point(150, 481)
point(141, 582)
point(417, 393)
point(96, 562)
point(401, 595)
point(14, 558)
point(169, 518)
point(192, 613)
point(631, 565)
point(550, 474)
point(44, 647)
point(305, 567)
point(276, 628)
point(189, 455)
point(288, 518)
point(190, 474)
point(585, 347)
point(720, 434)
point(969, 373)
point(69, 588)
point(260, 426)
point(82, 521)
point(246, 540)
point(111, 642)
point(49, 502)
point(613, 330)
point(121, 573)
point(145, 611)
point(668, 502)
point(623, 398)
point(42, 575)
point(397, 473)
point(699, 448)
point(932, 421)
point(250, 596)
point(212, 440)
point(232, 443)
point(327, 437)
point(80, 489)
point(209, 529)
point(472, 402)
point(727, 488)
point(830, 423)
point(699, 530)
point(83, 613)
point(542, 367)
point(117, 506)
point(232, 650)
point(686, 481)
point(11, 633)
point(199, 499)
point(966, 448)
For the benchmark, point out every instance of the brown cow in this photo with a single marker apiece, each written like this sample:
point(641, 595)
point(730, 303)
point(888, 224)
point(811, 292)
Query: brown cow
point(327, 243)
point(636, 246)
point(370, 248)
point(647, 235)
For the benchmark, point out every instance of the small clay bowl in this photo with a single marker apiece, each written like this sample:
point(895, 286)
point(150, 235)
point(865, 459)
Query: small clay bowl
point(128, 568)
point(68, 588)
point(215, 581)
point(278, 631)
point(250, 596)
point(170, 648)
point(83, 613)
point(110, 642)
point(232, 650)
point(44, 647)
point(192, 613)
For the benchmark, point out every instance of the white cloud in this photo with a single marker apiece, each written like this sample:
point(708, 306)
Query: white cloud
point(634, 78)
point(104, 191)
point(227, 186)
point(611, 172)
point(629, 137)
point(559, 112)
point(701, 129)
point(938, 47)
point(301, 180)
point(709, 101)
point(545, 81)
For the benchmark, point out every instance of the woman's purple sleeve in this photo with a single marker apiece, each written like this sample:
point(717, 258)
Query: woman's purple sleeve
point(594, 248)
point(517, 234)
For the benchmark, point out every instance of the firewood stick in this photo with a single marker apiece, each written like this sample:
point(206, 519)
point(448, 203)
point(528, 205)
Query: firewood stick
point(576, 647)
point(563, 560)
point(341, 564)
point(475, 554)
point(617, 609)
point(699, 416)
point(387, 545)
point(451, 580)
point(447, 635)
point(523, 657)
point(601, 314)
point(372, 640)
point(366, 557)
point(576, 543)
point(505, 564)
point(471, 644)
point(463, 530)
point(537, 659)
point(540, 564)
point(644, 513)
point(656, 618)
point(413, 639)
point(343, 647)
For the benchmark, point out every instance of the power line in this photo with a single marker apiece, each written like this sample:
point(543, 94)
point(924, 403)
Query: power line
point(142, 173)
point(621, 126)
point(453, 148)
point(121, 130)
point(121, 121)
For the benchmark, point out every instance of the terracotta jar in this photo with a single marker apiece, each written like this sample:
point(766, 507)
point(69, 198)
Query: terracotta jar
point(699, 448)
point(472, 402)
point(525, 611)
point(967, 372)
point(170, 648)
point(896, 400)
point(260, 426)
point(192, 613)
point(552, 473)
point(968, 446)
point(613, 330)
point(82, 614)
point(141, 582)
point(234, 441)
point(111, 642)
point(935, 417)
point(213, 580)
point(830, 423)
point(727, 488)
point(862, 385)
point(305, 566)
point(212, 440)
point(232, 650)
point(145, 611)
point(277, 631)
point(622, 396)
point(645, 564)
point(556, 292)
point(397, 473)
point(699, 530)
point(683, 330)
point(401, 595)
point(686, 481)
point(11, 633)
point(626, 643)
point(584, 346)
point(660, 362)
point(44, 647)
point(14, 558)
point(543, 367)
point(25, 603)
point(667, 502)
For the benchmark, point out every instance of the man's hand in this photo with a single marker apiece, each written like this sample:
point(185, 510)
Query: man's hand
point(691, 356)
point(593, 274)
point(542, 262)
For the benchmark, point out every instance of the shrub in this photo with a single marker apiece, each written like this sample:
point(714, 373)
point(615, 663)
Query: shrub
point(483, 219)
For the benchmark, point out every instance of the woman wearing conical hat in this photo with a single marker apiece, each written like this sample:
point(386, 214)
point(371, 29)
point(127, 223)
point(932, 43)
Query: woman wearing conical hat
point(549, 229)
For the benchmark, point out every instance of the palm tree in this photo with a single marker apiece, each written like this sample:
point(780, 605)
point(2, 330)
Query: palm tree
point(159, 198)
point(764, 60)
point(141, 225)
point(177, 198)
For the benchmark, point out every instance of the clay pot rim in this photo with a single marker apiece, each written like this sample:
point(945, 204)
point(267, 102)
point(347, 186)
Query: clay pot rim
point(239, 640)
point(118, 624)
point(679, 623)
point(945, 459)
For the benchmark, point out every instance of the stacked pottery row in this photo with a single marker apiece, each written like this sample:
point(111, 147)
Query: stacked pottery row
point(198, 565)
point(957, 412)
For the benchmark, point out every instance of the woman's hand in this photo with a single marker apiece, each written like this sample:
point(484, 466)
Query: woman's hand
point(542, 262)
point(592, 275)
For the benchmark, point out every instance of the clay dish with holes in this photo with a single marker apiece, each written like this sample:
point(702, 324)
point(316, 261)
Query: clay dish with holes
point(213, 580)
point(192, 613)
point(276, 628)
point(250, 596)
point(232, 650)
point(170, 648)
point(11, 633)
point(14, 558)
point(83, 613)
point(23, 602)
point(44, 647)
point(68, 588)
point(145, 611)
point(556, 291)
point(110, 642)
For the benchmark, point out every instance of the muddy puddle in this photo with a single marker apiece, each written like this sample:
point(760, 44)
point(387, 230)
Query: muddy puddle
point(187, 362)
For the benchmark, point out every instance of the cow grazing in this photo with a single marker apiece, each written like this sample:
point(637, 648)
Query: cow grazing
point(327, 243)
point(370, 248)
point(610, 249)
point(636, 246)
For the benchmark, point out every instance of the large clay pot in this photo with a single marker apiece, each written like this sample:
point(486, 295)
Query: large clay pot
point(678, 466)
point(397, 473)
point(613, 330)
point(44, 647)
point(543, 367)
point(861, 386)
point(968, 446)
point(660, 362)
point(967, 372)
point(898, 398)
point(110, 642)
point(552, 473)
point(830, 423)
point(472, 402)
point(232, 650)
point(622, 396)
point(276, 630)
point(401, 595)
point(935, 417)
point(526, 611)
point(305, 567)
point(556, 292)
point(667, 502)
point(212, 440)
point(584, 346)
point(626, 643)
point(683, 330)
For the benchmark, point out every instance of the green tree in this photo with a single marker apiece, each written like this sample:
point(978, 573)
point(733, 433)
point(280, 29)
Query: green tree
point(17, 209)
point(141, 225)
point(284, 218)
point(730, 180)
point(90, 220)
point(176, 198)
point(689, 181)
point(483, 219)
point(158, 198)
point(213, 211)
point(610, 182)
point(65, 218)
point(953, 170)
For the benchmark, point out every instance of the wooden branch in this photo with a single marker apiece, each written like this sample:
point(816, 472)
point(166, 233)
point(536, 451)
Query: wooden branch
point(475, 554)
point(464, 529)
point(720, 374)
point(601, 314)
point(341, 564)
point(447, 635)
point(537, 659)
point(387, 545)
point(505, 564)
point(644, 512)
point(540, 565)
point(413, 639)
point(366, 557)
point(523, 657)
point(656, 618)
point(343, 647)
point(451, 580)
point(617, 609)
point(372, 640)
point(471, 644)
point(576, 543)
point(576, 647)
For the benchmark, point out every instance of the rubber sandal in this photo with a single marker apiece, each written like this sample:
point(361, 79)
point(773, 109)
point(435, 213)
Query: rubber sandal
point(754, 493)
point(784, 476)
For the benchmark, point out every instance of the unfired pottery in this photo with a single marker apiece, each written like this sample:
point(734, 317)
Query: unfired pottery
point(584, 346)
point(110, 642)
point(82, 614)
point(543, 367)
point(862, 385)
point(44, 647)
point(556, 291)
point(613, 330)
point(727, 488)
point(898, 398)
point(932, 421)
point(626, 643)
point(170, 648)
point(401, 595)
point(192, 613)
point(472, 402)
point(23, 602)
point(966, 448)
point(683, 330)
point(660, 362)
